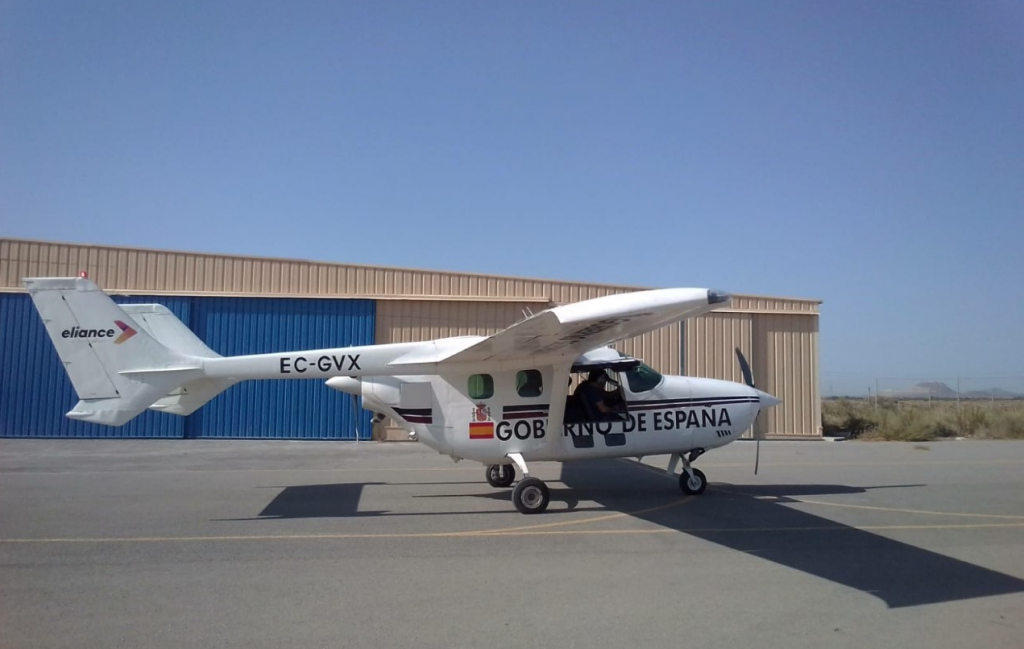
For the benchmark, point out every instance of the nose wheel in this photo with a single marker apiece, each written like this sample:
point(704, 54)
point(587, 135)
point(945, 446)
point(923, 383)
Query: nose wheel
point(693, 482)
point(501, 475)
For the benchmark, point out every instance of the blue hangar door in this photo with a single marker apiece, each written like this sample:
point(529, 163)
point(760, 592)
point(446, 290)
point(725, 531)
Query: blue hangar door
point(35, 392)
point(292, 409)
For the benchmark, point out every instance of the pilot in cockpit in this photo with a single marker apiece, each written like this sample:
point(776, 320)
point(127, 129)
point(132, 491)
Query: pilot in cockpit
point(596, 401)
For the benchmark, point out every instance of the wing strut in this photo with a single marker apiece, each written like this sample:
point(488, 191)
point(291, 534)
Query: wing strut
point(556, 412)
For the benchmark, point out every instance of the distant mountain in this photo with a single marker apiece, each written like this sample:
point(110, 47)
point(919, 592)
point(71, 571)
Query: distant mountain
point(994, 393)
point(939, 390)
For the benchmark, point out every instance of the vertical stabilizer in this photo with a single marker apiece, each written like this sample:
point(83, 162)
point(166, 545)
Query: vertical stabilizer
point(115, 366)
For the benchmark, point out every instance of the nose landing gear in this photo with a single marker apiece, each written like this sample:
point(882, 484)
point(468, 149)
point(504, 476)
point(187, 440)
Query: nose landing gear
point(501, 475)
point(692, 481)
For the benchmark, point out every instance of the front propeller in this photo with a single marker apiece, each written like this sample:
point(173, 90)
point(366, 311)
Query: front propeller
point(766, 401)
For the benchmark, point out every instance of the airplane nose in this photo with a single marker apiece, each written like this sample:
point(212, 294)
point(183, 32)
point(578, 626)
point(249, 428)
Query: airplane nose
point(767, 400)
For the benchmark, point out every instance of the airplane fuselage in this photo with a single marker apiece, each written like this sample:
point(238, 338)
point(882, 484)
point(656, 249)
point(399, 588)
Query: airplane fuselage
point(678, 415)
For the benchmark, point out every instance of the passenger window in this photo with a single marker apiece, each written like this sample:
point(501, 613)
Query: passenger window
point(529, 383)
point(481, 386)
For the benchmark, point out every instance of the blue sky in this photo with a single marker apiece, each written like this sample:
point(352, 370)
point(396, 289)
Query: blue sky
point(869, 154)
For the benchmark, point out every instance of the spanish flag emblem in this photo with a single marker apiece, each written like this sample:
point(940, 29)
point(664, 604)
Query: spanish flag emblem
point(481, 430)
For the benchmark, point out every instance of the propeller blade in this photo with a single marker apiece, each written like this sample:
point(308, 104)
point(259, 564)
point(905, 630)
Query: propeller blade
point(748, 377)
point(757, 454)
point(356, 410)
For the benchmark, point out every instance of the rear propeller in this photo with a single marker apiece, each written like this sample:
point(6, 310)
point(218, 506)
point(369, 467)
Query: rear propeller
point(748, 378)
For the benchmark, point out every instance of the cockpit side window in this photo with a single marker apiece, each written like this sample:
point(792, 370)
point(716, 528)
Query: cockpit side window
point(529, 383)
point(642, 378)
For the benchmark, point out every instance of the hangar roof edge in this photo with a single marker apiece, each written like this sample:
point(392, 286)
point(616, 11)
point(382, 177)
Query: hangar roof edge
point(313, 262)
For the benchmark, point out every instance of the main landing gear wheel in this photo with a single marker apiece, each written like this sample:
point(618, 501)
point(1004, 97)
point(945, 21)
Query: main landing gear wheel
point(695, 485)
point(531, 496)
point(501, 475)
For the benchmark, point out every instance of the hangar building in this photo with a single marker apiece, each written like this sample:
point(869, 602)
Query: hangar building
point(248, 305)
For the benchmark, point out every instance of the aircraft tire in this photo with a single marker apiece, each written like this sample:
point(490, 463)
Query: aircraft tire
point(501, 476)
point(531, 496)
point(695, 486)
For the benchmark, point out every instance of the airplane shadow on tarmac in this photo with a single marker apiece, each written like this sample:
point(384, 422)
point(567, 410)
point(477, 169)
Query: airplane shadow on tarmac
point(755, 520)
point(318, 501)
point(342, 500)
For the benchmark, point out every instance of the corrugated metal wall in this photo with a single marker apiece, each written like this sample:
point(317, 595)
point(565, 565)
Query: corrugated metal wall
point(711, 342)
point(786, 365)
point(162, 271)
point(422, 304)
point(303, 408)
point(35, 392)
point(156, 271)
point(400, 321)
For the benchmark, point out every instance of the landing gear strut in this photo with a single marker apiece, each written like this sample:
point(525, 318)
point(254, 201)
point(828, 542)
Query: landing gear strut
point(501, 475)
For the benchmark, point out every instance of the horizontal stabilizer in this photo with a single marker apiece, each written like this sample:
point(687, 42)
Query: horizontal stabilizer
point(165, 327)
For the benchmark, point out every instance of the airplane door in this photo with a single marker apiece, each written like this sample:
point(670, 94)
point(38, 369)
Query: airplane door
point(424, 400)
point(659, 412)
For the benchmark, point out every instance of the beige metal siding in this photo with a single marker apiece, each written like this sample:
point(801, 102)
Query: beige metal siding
point(778, 335)
point(161, 271)
point(661, 349)
point(156, 271)
point(401, 321)
point(711, 341)
point(762, 304)
point(786, 365)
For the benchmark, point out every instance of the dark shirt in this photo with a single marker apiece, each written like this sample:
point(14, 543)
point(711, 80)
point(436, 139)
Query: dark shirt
point(592, 394)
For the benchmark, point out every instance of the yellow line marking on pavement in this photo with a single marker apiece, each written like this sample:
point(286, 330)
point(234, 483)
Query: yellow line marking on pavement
point(1008, 462)
point(594, 519)
point(913, 462)
point(895, 510)
point(910, 511)
point(252, 470)
point(441, 535)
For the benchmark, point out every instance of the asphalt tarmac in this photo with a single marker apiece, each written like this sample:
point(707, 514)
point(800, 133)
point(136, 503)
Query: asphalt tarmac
point(315, 544)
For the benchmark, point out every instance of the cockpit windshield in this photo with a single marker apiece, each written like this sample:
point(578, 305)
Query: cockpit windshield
point(642, 378)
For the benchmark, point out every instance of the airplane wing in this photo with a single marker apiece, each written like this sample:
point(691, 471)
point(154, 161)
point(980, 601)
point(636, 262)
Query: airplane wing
point(572, 329)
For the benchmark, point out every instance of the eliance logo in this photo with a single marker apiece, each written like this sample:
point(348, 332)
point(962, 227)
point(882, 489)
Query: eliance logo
point(77, 332)
point(126, 332)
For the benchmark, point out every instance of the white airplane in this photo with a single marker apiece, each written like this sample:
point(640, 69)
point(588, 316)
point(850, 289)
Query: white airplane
point(502, 400)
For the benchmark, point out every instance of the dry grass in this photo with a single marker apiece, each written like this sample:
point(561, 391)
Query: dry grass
point(921, 421)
